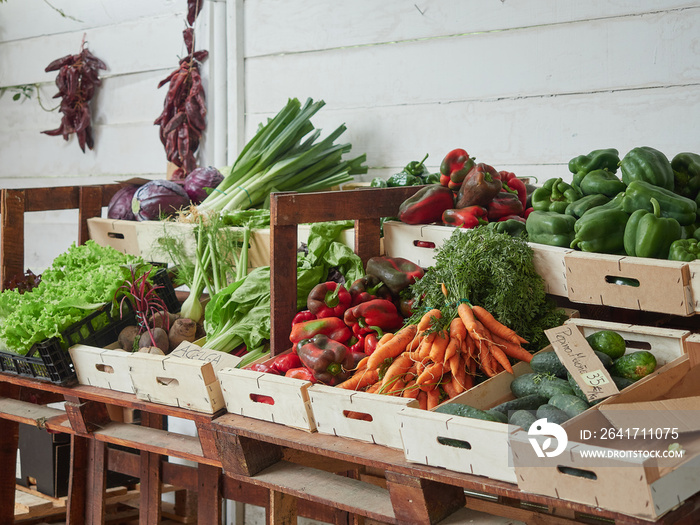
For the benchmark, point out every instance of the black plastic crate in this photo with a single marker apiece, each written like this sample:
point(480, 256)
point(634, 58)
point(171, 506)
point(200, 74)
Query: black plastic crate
point(50, 359)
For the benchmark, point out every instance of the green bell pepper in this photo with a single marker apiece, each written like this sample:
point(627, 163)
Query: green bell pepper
point(599, 159)
point(554, 195)
point(513, 227)
point(649, 235)
point(378, 182)
point(404, 179)
point(601, 231)
point(639, 194)
point(549, 227)
point(649, 165)
point(581, 206)
point(684, 250)
point(601, 182)
point(686, 172)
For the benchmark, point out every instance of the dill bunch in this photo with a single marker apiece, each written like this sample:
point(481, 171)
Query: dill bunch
point(493, 270)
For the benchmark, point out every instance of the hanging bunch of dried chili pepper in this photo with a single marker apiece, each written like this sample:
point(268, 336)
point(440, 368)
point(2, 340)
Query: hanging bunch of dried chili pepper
point(76, 80)
point(183, 118)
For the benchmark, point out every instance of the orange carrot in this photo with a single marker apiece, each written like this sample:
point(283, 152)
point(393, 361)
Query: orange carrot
point(450, 388)
point(422, 398)
point(469, 347)
point(360, 380)
point(457, 329)
point(386, 337)
point(374, 388)
point(362, 364)
point(502, 358)
point(396, 388)
point(411, 390)
point(399, 367)
point(430, 377)
point(437, 351)
point(452, 349)
point(512, 349)
point(485, 359)
point(426, 345)
point(470, 322)
point(427, 320)
point(495, 326)
point(433, 398)
point(415, 342)
point(393, 347)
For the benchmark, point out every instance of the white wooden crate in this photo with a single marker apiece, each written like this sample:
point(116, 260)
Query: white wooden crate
point(420, 430)
point(102, 367)
point(175, 381)
point(333, 406)
point(291, 407)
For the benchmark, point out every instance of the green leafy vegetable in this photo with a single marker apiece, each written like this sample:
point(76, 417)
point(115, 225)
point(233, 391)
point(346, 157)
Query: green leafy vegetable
point(284, 155)
point(493, 270)
point(79, 281)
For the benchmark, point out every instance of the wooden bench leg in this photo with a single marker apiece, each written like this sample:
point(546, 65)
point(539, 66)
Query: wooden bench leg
point(87, 483)
point(9, 440)
point(417, 500)
point(282, 509)
point(209, 495)
point(151, 474)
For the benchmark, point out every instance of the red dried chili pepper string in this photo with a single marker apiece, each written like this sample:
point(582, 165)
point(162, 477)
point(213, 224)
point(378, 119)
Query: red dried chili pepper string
point(78, 76)
point(183, 118)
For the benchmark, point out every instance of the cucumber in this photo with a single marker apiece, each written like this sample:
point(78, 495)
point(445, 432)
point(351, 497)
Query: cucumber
point(604, 358)
point(552, 414)
point(535, 383)
point(528, 402)
point(548, 363)
point(634, 366)
point(570, 404)
point(577, 389)
point(621, 382)
point(458, 409)
point(522, 418)
point(501, 416)
point(609, 342)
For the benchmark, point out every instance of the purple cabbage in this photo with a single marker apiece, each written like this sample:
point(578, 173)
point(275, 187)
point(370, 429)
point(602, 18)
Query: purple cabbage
point(119, 206)
point(199, 179)
point(158, 198)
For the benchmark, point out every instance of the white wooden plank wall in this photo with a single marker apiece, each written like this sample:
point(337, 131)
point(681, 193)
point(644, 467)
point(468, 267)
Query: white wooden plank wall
point(524, 86)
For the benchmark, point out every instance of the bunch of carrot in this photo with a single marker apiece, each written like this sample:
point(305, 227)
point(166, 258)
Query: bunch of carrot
point(431, 364)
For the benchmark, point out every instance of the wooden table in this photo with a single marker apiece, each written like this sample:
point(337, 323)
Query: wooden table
point(290, 472)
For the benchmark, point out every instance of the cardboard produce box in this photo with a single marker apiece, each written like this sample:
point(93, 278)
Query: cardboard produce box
point(636, 283)
point(483, 448)
point(638, 453)
point(268, 397)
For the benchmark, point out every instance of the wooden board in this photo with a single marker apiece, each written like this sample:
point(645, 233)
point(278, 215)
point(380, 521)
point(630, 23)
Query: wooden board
point(176, 382)
point(102, 367)
point(333, 406)
point(290, 397)
point(490, 441)
point(663, 286)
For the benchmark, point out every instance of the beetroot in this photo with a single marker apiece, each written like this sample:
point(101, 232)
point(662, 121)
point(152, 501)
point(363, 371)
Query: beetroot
point(119, 206)
point(199, 179)
point(158, 198)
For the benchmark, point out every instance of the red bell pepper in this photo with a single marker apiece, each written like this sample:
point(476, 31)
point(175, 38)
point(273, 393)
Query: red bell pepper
point(377, 315)
point(480, 186)
point(330, 362)
point(396, 272)
point(426, 205)
point(367, 288)
point(359, 344)
point(518, 218)
point(259, 398)
point(371, 340)
point(504, 203)
point(333, 327)
point(301, 373)
point(260, 367)
point(304, 315)
point(328, 299)
point(454, 168)
point(284, 362)
point(515, 184)
point(528, 211)
point(469, 217)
